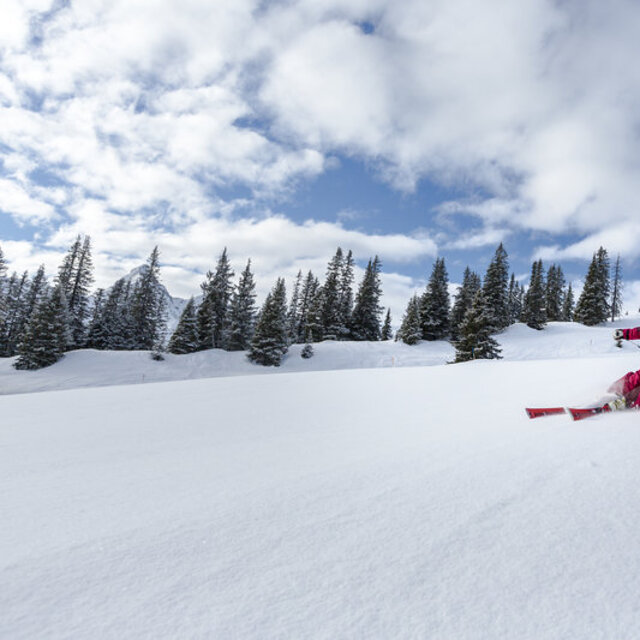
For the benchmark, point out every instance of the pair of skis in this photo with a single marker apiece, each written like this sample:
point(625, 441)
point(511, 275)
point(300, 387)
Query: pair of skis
point(576, 414)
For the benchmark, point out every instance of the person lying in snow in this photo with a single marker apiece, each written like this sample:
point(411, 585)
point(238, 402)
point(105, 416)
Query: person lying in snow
point(628, 387)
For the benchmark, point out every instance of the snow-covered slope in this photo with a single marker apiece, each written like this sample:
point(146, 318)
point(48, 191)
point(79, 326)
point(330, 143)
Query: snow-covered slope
point(88, 368)
point(406, 502)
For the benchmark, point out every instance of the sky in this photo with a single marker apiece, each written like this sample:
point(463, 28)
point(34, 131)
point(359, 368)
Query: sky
point(410, 129)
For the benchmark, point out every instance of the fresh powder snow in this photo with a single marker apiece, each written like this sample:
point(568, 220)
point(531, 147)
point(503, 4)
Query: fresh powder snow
point(372, 491)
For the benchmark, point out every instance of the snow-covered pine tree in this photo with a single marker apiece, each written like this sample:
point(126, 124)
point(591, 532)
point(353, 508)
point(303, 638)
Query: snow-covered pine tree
point(14, 318)
point(346, 295)
point(568, 305)
point(147, 308)
point(554, 293)
point(3, 290)
point(593, 305)
point(313, 327)
point(387, 330)
point(68, 267)
point(242, 314)
point(3, 268)
point(471, 283)
point(514, 300)
point(332, 326)
point(75, 276)
point(111, 326)
point(307, 296)
point(365, 319)
point(495, 289)
point(435, 304)
point(3, 283)
point(293, 320)
point(475, 341)
point(47, 334)
point(270, 339)
point(534, 312)
point(99, 300)
point(616, 290)
point(411, 328)
point(38, 290)
point(213, 312)
point(185, 337)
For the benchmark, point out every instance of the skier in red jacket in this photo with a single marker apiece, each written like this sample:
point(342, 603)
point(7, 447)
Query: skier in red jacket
point(628, 387)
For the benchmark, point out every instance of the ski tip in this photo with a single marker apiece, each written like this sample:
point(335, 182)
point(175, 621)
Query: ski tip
point(539, 412)
point(580, 414)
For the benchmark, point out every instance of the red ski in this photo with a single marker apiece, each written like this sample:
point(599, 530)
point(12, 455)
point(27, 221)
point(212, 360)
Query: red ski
point(581, 414)
point(539, 412)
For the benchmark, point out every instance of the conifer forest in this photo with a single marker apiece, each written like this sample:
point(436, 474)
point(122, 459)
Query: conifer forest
point(42, 316)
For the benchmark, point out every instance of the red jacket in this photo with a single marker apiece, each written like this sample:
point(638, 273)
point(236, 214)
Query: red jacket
point(631, 334)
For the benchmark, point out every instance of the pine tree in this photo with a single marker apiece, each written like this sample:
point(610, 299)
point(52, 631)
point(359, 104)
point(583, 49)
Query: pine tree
point(514, 300)
point(111, 327)
point(313, 327)
point(593, 304)
point(214, 309)
point(15, 317)
point(434, 305)
point(568, 305)
point(387, 331)
point(242, 314)
point(495, 289)
point(47, 334)
point(534, 312)
point(75, 276)
point(293, 319)
point(307, 296)
point(99, 300)
point(185, 336)
point(147, 308)
point(38, 290)
point(554, 293)
point(3, 268)
point(616, 290)
point(411, 328)
point(346, 295)
point(3, 284)
point(332, 323)
point(365, 319)
point(270, 340)
point(466, 293)
point(475, 341)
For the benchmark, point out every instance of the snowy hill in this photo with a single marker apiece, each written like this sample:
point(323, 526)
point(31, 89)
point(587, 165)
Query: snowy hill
point(87, 368)
point(401, 501)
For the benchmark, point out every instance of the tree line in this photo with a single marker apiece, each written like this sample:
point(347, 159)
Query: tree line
point(483, 308)
point(40, 321)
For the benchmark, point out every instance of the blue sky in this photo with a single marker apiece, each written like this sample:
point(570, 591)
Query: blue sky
point(281, 130)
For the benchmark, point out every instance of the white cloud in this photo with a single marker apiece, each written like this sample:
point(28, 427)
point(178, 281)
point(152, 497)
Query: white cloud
point(145, 108)
point(623, 239)
point(17, 202)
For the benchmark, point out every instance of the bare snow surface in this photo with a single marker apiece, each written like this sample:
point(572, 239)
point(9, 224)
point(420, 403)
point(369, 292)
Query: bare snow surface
point(383, 500)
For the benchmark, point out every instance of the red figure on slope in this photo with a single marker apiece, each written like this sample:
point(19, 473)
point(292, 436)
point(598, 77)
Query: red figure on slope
point(628, 387)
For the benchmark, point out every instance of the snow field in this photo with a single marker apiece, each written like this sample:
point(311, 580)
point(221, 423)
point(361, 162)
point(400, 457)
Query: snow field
point(88, 368)
point(387, 503)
